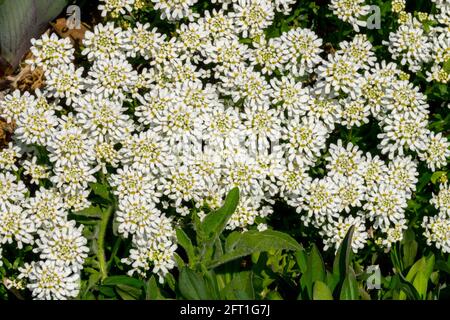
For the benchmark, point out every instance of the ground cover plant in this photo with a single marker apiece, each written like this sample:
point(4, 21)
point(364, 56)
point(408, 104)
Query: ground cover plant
point(230, 149)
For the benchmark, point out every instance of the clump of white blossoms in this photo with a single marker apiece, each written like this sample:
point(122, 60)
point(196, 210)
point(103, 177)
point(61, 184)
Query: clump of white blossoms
point(422, 41)
point(206, 112)
point(351, 11)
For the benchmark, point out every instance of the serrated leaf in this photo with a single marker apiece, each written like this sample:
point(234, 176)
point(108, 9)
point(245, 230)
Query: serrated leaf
point(240, 245)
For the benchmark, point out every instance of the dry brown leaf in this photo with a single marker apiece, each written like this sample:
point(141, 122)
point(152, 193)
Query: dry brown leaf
point(6, 131)
point(76, 35)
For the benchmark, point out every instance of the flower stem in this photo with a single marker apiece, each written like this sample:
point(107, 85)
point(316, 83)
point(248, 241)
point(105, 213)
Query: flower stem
point(101, 242)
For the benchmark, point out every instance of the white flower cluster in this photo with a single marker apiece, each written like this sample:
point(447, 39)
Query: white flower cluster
point(40, 221)
point(205, 114)
point(423, 42)
point(437, 228)
point(351, 11)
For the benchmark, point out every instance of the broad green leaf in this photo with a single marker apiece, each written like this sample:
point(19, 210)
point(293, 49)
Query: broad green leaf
point(92, 211)
point(107, 291)
point(349, 290)
point(315, 270)
point(301, 258)
point(409, 248)
point(192, 285)
point(123, 280)
point(211, 284)
point(419, 275)
point(152, 291)
point(406, 289)
point(240, 245)
point(241, 287)
point(127, 292)
point(443, 266)
point(214, 222)
point(321, 291)
point(186, 243)
point(20, 21)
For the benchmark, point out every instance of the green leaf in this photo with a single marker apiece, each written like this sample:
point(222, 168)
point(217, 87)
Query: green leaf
point(321, 291)
point(107, 291)
point(315, 270)
point(127, 292)
point(152, 291)
point(240, 245)
point(437, 175)
point(186, 243)
point(101, 190)
point(420, 274)
point(407, 288)
point(92, 211)
point(123, 280)
point(241, 287)
point(214, 222)
point(409, 248)
point(343, 257)
point(192, 285)
point(349, 290)
point(446, 66)
point(443, 266)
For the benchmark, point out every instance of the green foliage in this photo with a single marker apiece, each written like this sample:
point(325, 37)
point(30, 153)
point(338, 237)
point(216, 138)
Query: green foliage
point(214, 253)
